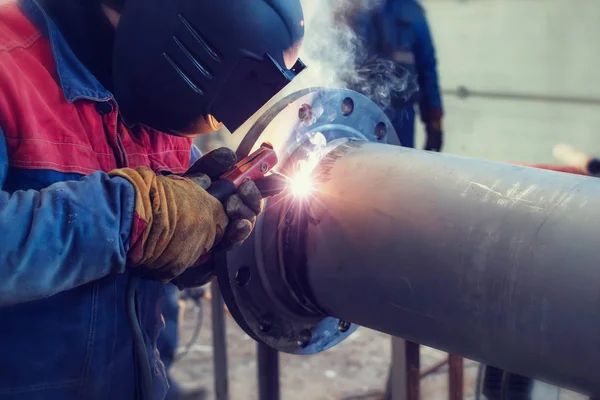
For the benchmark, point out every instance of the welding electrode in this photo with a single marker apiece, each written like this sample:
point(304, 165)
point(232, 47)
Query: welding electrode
point(276, 184)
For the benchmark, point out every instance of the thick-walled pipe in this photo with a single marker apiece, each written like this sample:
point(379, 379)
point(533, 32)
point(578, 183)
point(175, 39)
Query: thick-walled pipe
point(495, 262)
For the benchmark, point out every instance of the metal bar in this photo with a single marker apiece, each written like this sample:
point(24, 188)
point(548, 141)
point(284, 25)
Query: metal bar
point(268, 372)
point(404, 379)
point(558, 168)
point(219, 343)
point(455, 377)
point(413, 362)
point(496, 262)
point(397, 389)
point(463, 92)
point(434, 368)
point(582, 161)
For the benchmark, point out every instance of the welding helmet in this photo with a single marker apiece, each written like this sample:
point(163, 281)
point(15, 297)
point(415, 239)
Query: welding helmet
point(178, 63)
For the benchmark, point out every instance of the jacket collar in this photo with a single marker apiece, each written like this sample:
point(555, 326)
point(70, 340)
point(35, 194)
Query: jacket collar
point(75, 79)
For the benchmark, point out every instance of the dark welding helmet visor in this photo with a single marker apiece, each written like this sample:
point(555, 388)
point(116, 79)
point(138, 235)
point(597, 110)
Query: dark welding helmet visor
point(179, 62)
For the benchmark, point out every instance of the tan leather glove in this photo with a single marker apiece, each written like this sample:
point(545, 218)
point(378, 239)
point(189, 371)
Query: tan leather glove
point(242, 209)
point(208, 169)
point(176, 222)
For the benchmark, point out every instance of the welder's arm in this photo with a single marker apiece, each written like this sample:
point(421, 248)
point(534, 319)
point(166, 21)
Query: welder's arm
point(66, 235)
point(430, 104)
point(176, 222)
point(73, 233)
point(426, 63)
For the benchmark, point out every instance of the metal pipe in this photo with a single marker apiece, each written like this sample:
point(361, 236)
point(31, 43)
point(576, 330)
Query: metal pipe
point(268, 372)
point(577, 159)
point(495, 262)
point(219, 343)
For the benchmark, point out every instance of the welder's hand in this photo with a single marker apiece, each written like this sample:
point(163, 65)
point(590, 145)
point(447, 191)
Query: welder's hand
point(211, 166)
point(176, 223)
point(244, 206)
point(434, 136)
point(242, 209)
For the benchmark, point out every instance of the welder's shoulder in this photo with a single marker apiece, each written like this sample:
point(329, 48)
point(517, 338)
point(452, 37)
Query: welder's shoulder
point(410, 10)
point(17, 33)
point(25, 54)
point(26, 60)
point(415, 6)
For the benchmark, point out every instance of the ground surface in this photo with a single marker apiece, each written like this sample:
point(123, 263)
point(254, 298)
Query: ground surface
point(357, 367)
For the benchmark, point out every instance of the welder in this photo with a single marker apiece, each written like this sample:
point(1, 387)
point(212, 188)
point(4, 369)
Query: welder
point(99, 101)
point(398, 31)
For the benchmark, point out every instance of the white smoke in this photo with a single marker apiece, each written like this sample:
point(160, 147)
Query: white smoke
point(337, 57)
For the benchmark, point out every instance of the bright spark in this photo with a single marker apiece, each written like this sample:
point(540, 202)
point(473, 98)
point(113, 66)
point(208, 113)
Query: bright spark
point(302, 184)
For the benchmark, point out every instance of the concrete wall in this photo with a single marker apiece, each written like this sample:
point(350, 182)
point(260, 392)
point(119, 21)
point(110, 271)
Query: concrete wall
point(526, 47)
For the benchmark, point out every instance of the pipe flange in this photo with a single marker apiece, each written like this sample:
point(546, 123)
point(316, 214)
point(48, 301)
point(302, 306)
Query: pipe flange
point(262, 283)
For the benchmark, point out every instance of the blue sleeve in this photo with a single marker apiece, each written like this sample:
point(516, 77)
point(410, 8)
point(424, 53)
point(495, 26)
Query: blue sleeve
point(63, 236)
point(366, 33)
point(195, 155)
point(430, 104)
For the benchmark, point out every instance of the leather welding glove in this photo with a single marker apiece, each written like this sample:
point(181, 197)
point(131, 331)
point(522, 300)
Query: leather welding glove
point(178, 221)
point(242, 209)
point(434, 136)
point(182, 222)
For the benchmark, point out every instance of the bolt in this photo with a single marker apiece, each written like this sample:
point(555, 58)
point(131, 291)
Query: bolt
point(304, 338)
point(347, 106)
point(264, 167)
point(242, 276)
point(305, 113)
point(265, 325)
point(343, 326)
point(380, 130)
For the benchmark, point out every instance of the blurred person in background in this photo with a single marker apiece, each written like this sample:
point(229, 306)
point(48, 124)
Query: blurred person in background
point(397, 40)
point(397, 30)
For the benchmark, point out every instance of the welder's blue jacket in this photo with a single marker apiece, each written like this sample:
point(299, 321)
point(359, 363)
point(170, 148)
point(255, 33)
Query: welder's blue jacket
point(65, 226)
point(398, 30)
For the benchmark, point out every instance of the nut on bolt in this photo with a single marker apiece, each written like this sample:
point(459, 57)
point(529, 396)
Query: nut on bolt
point(304, 338)
point(265, 325)
point(343, 326)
